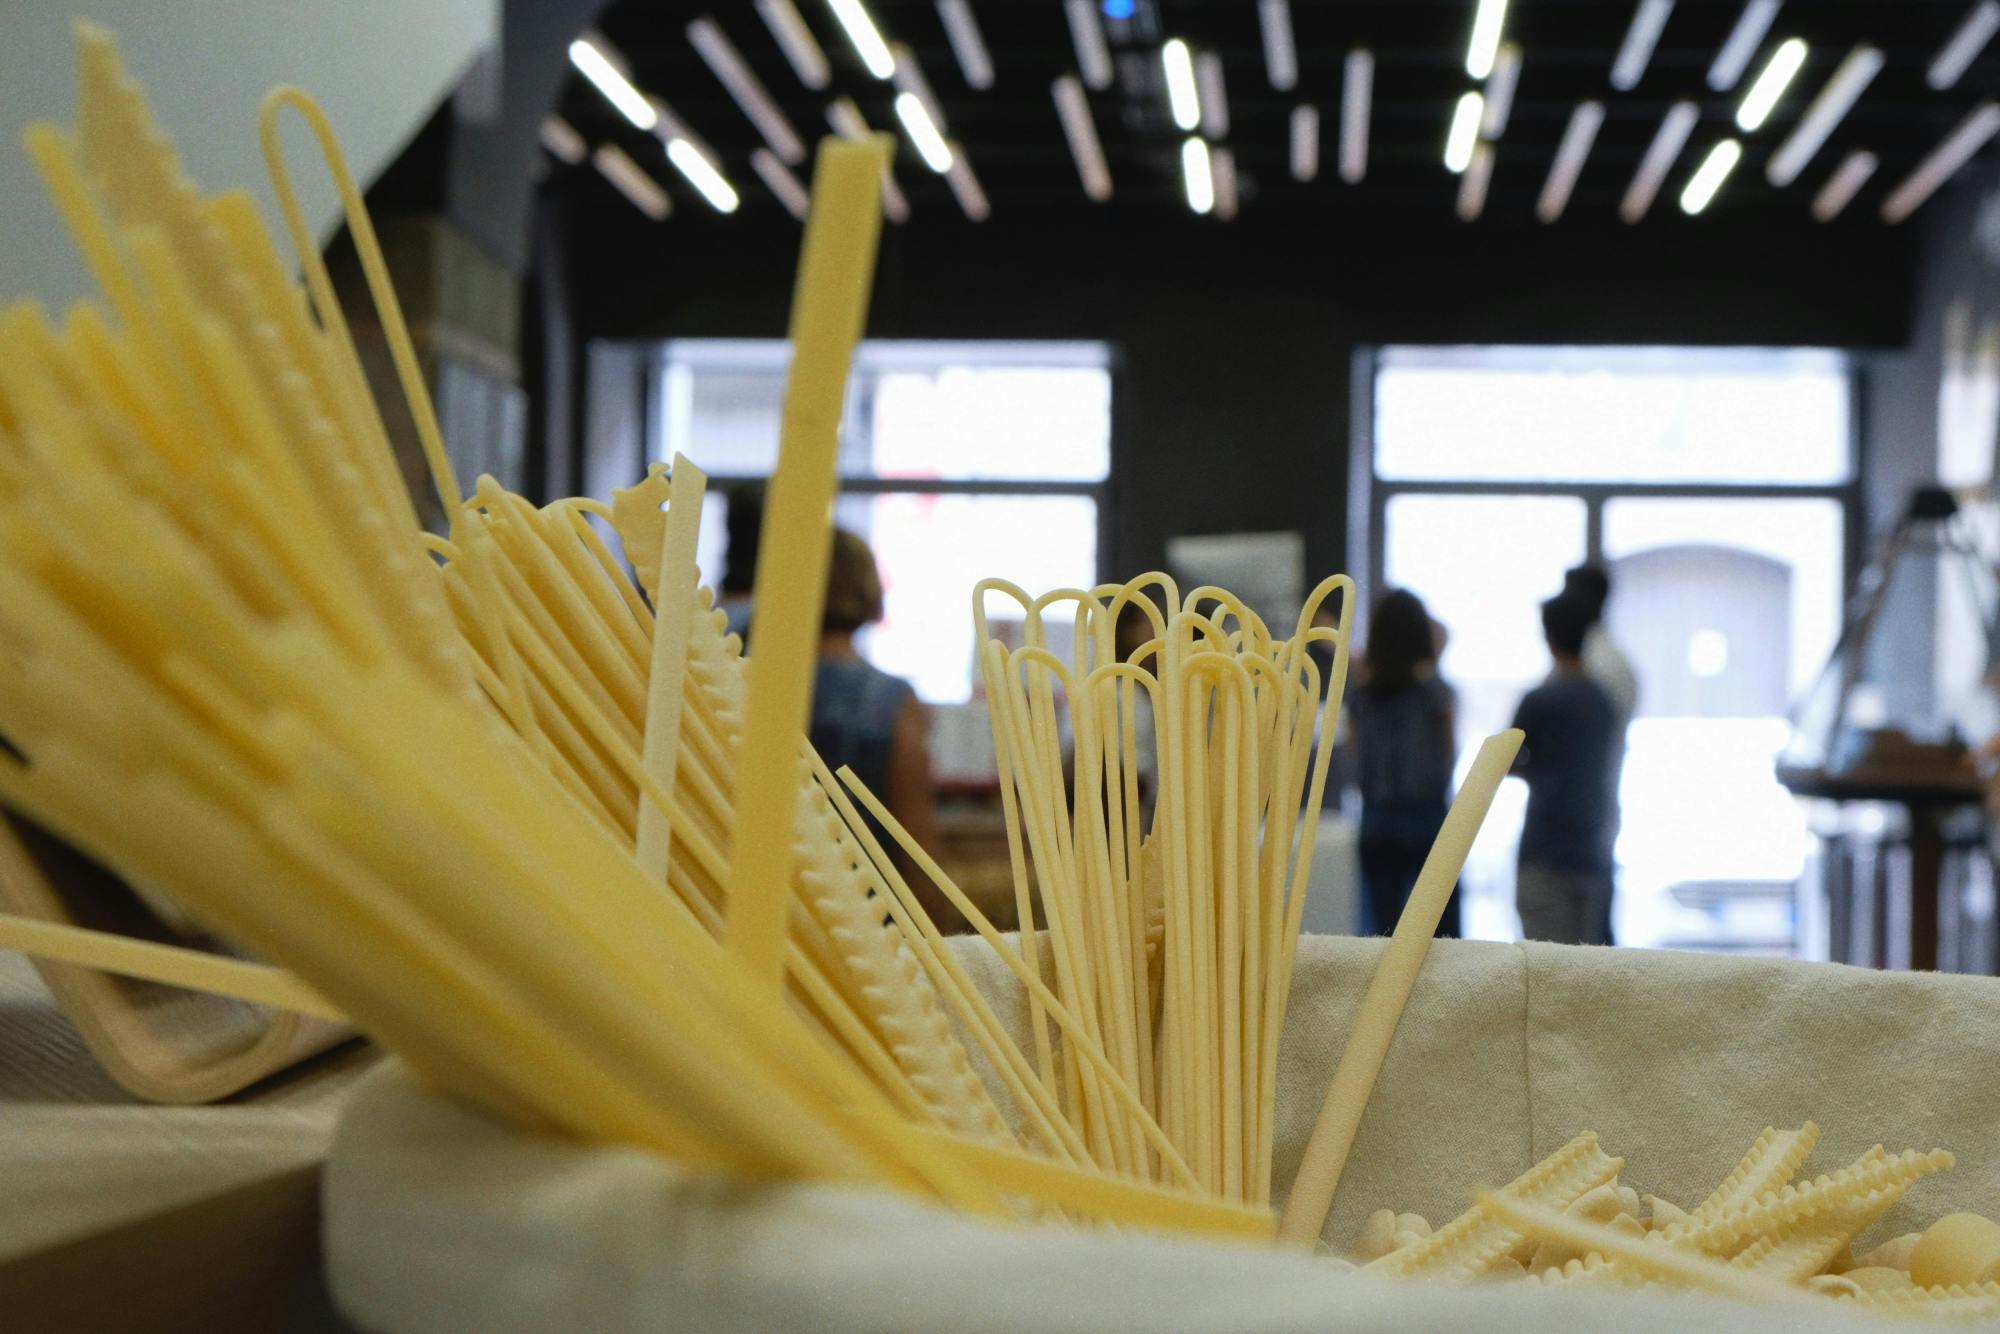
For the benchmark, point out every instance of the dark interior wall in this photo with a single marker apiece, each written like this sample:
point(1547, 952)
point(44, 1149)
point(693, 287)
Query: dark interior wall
point(1234, 341)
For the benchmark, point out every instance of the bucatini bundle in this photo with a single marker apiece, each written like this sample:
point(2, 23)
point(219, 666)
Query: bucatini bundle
point(513, 800)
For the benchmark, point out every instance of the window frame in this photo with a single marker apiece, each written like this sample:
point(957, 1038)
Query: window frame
point(1370, 492)
point(859, 407)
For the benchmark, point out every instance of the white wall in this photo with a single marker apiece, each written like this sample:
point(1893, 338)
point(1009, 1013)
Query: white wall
point(378, 67)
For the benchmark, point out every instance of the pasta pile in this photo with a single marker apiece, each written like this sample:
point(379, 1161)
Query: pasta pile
point(514, 801)
point(1760, 1235)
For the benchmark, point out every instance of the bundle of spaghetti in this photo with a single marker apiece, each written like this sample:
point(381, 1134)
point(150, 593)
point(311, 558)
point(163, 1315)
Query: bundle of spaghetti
point(231, 677)
point(1171, 942)
point(563, 642)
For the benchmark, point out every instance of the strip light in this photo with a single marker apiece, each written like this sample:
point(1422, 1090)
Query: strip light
point(1222, 166)
point(1093, 58)
point(1472, 185)
point(1636, 51)
point(1742, 43)
point(961, 29)
point(966, 186)
point(630, 179)
point(1487, 21)
point(562, 140)
point(795, 39)
point(1305, 143)
point(1668, 141)
point(778, 178)
point(848, 122)
point(1571, 153)
point(909, 78)
point(1863, 63)
point(1964, 46)
point(1844, 184)
point(1357, 84)
point(1281, 55)
point(1074, 110)
point(1464, 132)
point(1777, 76)
point(611, 80)
point(1214, 97)
point(1710, 175)
point(1500, 85)
point(864, 37)
point(1182, 97)
point(1942, 162)
point(1199, 175)
point(745, 88)
point(923, 132)
point(703, 175)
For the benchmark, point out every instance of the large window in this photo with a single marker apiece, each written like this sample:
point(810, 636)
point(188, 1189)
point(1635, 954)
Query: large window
point(958, 461)
point(1717, 488)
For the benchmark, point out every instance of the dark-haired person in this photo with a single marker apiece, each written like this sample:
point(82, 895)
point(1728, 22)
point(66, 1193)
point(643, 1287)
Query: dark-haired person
point(870, 721)
point(1605, 663)
point(1562, 883)
point(1402, 720)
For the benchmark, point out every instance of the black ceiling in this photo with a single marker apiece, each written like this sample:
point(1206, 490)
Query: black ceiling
point(1015, 144)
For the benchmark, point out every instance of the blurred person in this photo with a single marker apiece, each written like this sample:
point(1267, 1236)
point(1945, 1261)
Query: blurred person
point(1605, 663)
point(1402, 718)
point(1562, 883)
point(871, 722)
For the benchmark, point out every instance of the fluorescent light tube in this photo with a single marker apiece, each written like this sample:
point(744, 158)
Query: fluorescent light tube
point(1770, 85)
point(1464, 132)
point(961, 29)
point(560, 138)
point(1093, 58)
point(1305, 143)
point(745, 88)
point(923, 132)
point(1571, 153)
point(1964, 45)
point(778, 178)
point(795, 39)
point(864, 37)
point(966, 186)
point(1214, 96)
point(1487, 21)
point(1357, 85)
point(1742, 43)
point(1074, 110)
point(631, 180)
point(1710, 175)
point(1281, 56)
point(702, 175)
point(1198, 174)
point(1472, 185)
point(611, 80)
point(1668, 140)
point(1222, 166)
point(909, 78)
point(1182, 97)
point(1500, 86)
point(1640, 38)
point(1944, 160)
point(1863, 63)
point(1844, 184)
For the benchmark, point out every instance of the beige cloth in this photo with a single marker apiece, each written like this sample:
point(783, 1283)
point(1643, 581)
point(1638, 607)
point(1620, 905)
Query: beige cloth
point(79, 1155)
point(438, 1220)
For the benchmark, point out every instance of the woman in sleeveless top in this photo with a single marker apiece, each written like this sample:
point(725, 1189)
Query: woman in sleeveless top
point(1402, 716)
point(870, 721)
